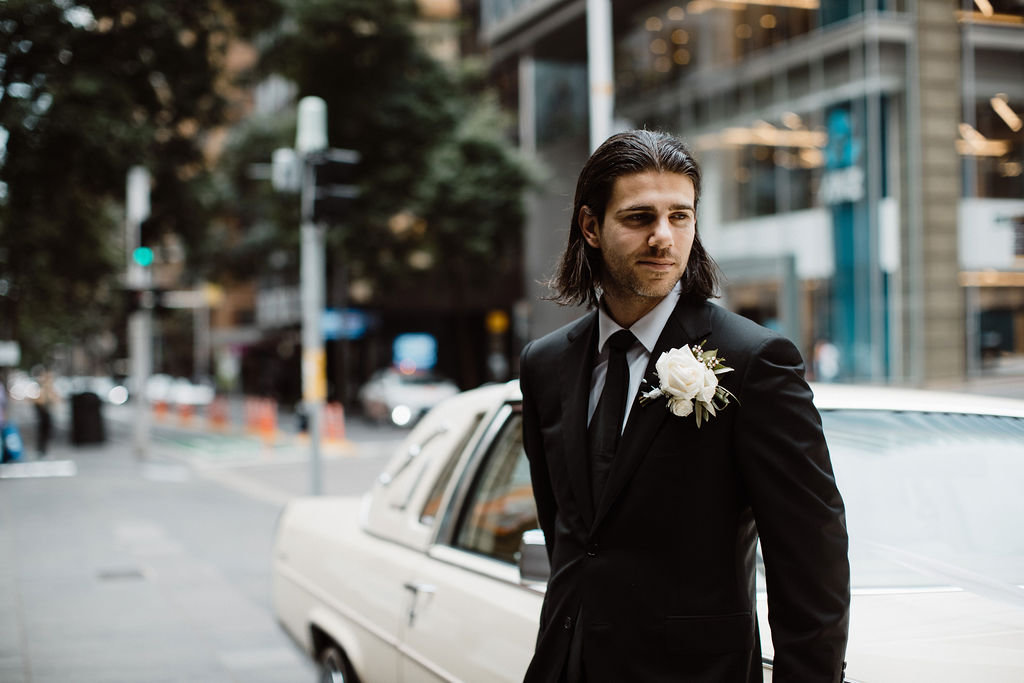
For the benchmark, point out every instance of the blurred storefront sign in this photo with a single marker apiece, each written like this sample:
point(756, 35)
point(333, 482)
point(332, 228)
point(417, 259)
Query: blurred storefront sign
point(415, 350)
point(842, 185)
point(345, 323)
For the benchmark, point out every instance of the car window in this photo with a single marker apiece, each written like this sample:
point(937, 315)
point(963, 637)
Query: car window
point(404, 477)
point(931, 498)
point(429, 512)
point(500, 507)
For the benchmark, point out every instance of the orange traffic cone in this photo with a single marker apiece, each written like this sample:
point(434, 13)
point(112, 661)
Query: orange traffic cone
point(334, 422)
point(217, 414)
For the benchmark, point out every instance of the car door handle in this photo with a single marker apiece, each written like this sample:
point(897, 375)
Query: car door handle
point(416, 588)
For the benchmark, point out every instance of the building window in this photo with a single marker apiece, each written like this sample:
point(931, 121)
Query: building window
point(993, 148)
point(772, 166)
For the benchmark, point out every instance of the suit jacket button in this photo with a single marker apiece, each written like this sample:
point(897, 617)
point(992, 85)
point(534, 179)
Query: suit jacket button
point(568, 623)
point(592, 550)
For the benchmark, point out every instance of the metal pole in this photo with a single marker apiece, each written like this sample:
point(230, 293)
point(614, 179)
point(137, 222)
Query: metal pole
point(140, 322)
point(528, 104)
point(201, 341)
point(599, 70)
point(311, 137)
point(314, 370)
point(914, 347)
point(877, 307)
point(969, 115)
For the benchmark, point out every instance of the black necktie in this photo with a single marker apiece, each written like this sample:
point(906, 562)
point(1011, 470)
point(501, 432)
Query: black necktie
point(607, 421)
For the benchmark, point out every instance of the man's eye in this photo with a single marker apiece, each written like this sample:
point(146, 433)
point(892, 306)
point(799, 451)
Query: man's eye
point(638, 217)
point(680, 216)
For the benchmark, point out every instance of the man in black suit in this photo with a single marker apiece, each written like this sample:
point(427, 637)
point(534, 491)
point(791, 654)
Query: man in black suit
point(652, 516)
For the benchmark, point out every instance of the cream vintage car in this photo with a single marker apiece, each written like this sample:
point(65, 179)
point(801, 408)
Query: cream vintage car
point(437, 574)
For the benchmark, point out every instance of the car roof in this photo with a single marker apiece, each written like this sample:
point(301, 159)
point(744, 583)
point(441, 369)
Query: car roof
point(901, 399)
point(836, 396)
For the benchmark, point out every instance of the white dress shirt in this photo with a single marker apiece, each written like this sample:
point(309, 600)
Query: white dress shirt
point(647, 330)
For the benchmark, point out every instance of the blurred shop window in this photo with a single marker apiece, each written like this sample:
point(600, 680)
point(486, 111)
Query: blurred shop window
point(993, 148)
point(657, 45)
point(663, 41)
point(989, 11)
point(562, 104)
point(774, 178)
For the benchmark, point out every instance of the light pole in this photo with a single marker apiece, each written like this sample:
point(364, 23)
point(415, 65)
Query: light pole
point(324, 179)
point(311, 137)
point(140, 321)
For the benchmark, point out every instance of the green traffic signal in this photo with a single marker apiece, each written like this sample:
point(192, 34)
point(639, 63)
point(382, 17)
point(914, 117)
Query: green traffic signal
point(143, 256)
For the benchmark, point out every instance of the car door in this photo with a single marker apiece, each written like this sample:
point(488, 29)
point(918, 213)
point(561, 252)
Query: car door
point(469, 617)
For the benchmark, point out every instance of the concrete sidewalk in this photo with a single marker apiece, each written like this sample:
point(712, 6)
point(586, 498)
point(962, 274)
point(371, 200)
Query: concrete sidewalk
point(114, 569)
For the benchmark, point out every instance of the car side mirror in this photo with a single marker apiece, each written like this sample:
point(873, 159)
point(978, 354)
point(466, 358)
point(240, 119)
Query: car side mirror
point(534, 567)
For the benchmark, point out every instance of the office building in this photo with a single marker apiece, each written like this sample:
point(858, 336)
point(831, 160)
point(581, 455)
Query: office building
point(863, 186)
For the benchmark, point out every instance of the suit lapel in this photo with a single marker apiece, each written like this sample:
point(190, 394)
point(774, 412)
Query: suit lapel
point(689, 324)
point(576, 370)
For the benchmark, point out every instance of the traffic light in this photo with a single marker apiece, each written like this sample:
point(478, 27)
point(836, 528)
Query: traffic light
point(143, 256)
point(335, 173)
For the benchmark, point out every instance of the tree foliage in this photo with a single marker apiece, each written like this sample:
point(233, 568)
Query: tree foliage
point(442, 186)
point(89, 88)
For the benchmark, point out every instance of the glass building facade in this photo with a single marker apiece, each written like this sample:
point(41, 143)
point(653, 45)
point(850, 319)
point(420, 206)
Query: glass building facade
point(862, 162)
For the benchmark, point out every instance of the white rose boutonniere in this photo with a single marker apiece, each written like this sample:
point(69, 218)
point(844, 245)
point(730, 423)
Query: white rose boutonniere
point(688, 379)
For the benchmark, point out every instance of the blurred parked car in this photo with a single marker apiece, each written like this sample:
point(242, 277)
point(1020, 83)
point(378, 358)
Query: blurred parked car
point(437, 574)
point(178, 391)
point(403, 397)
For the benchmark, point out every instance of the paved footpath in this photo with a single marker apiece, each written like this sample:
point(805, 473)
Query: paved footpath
point(117, 570)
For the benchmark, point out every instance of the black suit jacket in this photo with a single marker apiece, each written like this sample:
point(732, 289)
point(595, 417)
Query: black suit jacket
point(663, 565)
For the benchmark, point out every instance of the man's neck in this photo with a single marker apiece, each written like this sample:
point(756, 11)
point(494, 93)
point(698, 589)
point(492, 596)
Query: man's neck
point(647, 329)
point(627, 310)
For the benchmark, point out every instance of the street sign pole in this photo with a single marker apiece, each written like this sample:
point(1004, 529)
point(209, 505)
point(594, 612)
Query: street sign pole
point(314, 370)
point(311, 137)
point(140, 322)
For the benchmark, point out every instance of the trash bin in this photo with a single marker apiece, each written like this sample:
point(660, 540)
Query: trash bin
point(86, 419)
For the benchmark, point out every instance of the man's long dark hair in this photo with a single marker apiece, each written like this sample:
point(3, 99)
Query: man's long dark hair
point(579, 271)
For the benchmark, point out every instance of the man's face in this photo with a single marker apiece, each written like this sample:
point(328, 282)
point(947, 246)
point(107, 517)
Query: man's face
point(645, 238)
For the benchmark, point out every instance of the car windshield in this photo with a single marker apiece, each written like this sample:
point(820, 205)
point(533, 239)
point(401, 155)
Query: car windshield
point(932, 499)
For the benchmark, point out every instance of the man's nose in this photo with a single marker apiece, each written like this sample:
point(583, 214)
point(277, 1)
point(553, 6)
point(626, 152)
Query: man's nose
point(661, 234)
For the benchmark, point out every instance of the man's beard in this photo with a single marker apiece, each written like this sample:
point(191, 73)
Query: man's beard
point(626, 281)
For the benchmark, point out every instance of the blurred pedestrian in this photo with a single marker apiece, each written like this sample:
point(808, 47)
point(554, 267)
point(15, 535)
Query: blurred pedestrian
point(44, 404)
point(826, 361)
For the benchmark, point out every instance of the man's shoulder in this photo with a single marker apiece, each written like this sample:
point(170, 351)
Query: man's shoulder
point(558, 340)
point(733, 329)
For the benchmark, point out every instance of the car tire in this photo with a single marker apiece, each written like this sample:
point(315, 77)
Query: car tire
point(334, 666)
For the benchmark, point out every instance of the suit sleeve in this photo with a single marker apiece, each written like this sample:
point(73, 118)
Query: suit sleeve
point(533, 444)
point(799, 514)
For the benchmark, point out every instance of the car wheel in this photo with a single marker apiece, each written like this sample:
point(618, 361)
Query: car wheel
point(334, 667)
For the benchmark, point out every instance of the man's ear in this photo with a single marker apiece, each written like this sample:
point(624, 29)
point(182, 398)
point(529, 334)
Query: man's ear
point(589, 225)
